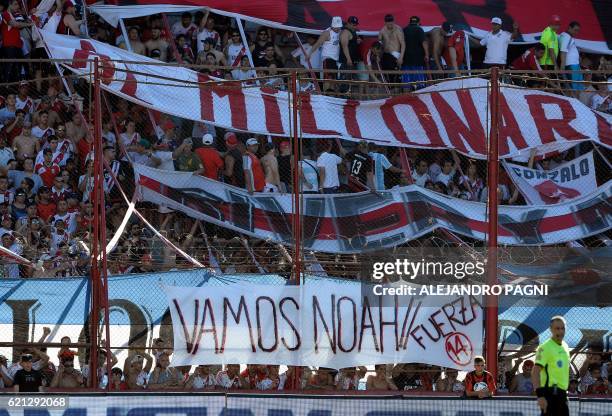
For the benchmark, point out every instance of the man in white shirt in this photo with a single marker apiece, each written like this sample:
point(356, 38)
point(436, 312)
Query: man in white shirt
point(327, 163)
point(497, 41)
point(570, 58)
point(184, 27)
point(420, 175)
point(300, 53)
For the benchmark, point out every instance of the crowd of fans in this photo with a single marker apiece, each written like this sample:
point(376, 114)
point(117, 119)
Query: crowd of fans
point(35, 371)
point(45, 139)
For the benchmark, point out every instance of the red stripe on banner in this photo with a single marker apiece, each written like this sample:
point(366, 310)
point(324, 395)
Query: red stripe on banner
point(152, 184)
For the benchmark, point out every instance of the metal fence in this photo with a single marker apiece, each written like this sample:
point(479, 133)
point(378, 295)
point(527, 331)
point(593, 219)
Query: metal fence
point(107, 133)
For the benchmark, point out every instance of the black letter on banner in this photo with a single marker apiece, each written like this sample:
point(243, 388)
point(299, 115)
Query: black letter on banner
point(190, 340)
point(312, 217)
point(316, 309)
point(527, 229)
point(274, 322)
point(213, 330)
point(354, 315)
point(584, 167)
point(278, 220)
point(456, 11)
point(358, 216)
point(406, 329)
point(241, 211)
point(384, 323)
point(593, 216)
point(565, 175)
point(236, 315)
point(293, 328)
point(21, 322)
point(365, 309)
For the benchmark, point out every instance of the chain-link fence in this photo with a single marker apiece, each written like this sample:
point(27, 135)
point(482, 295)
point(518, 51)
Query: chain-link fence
point(222, 195)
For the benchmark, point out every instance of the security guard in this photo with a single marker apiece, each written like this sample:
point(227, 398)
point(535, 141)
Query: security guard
point(550, 375)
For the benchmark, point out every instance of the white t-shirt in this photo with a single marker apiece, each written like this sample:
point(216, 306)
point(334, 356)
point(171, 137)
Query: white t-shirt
point(179, 29)
point(445, 178)
point(497, 47)
point(167, 163)
point(567, 44)
point(205, 34)
point(420, 180)
point(329, 162)
point(315, 58)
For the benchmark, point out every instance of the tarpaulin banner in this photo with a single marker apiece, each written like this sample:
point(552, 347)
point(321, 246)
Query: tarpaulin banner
point(353, 223)
point(452, 114)
point(475, 17)
point(567, 181)
point(320, 323)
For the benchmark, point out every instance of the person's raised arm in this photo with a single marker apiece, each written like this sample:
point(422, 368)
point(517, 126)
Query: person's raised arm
point(204, 20)
point(324, 36)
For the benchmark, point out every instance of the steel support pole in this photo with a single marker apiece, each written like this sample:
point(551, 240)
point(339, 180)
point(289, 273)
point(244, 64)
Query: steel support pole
point(491, 336)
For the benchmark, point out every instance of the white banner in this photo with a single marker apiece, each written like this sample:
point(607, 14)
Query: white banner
point(452, 114)
point(570, 180)
point(323, 324)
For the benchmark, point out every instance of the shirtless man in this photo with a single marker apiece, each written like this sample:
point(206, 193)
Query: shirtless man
point(156, 43)
point(437, 42)
point(392, 38)
point(135, 43)
point(25, 145)
point(380, 381)
point(70, 23)
point(209, 48)
point(76, 129)
point(136, 371)
point(67, 377)
point(270, 165)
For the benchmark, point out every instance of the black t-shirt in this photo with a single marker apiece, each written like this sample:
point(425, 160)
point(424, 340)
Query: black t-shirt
point(237, 178)
point(284, 169)
point(353, 49)
point(28, 381)
point(360, 165)
point(414, 54)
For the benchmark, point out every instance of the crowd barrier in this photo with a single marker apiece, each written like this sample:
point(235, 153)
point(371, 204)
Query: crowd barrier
point(220, 404)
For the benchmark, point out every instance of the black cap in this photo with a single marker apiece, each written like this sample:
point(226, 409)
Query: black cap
point(26, 357)
point(414, 20)
point(353, 20)
point(389, 18)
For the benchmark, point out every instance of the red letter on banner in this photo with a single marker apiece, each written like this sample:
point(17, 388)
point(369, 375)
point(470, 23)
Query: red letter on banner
point(237, 106)
point(350, 118)
point(509, 129)
point(308, 121)
point(473, 132)
point(547, 127)
point(274, 123)
point(423, 115)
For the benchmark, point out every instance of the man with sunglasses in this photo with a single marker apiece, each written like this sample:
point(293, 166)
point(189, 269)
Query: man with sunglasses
point(235, 50)
point(258, 49)
point(67, 377)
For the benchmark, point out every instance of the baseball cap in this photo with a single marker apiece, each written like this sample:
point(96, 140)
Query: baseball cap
point(231, 140)
point(389, 18)
point(144, 143)
point(336, 22)
point(207, 139)
point(209, 40)
point(26, 357)
point(353, 20)
point(414, 20)
point(496, 20)
point(555, 18)
point(168, 125)
point(252, 141)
